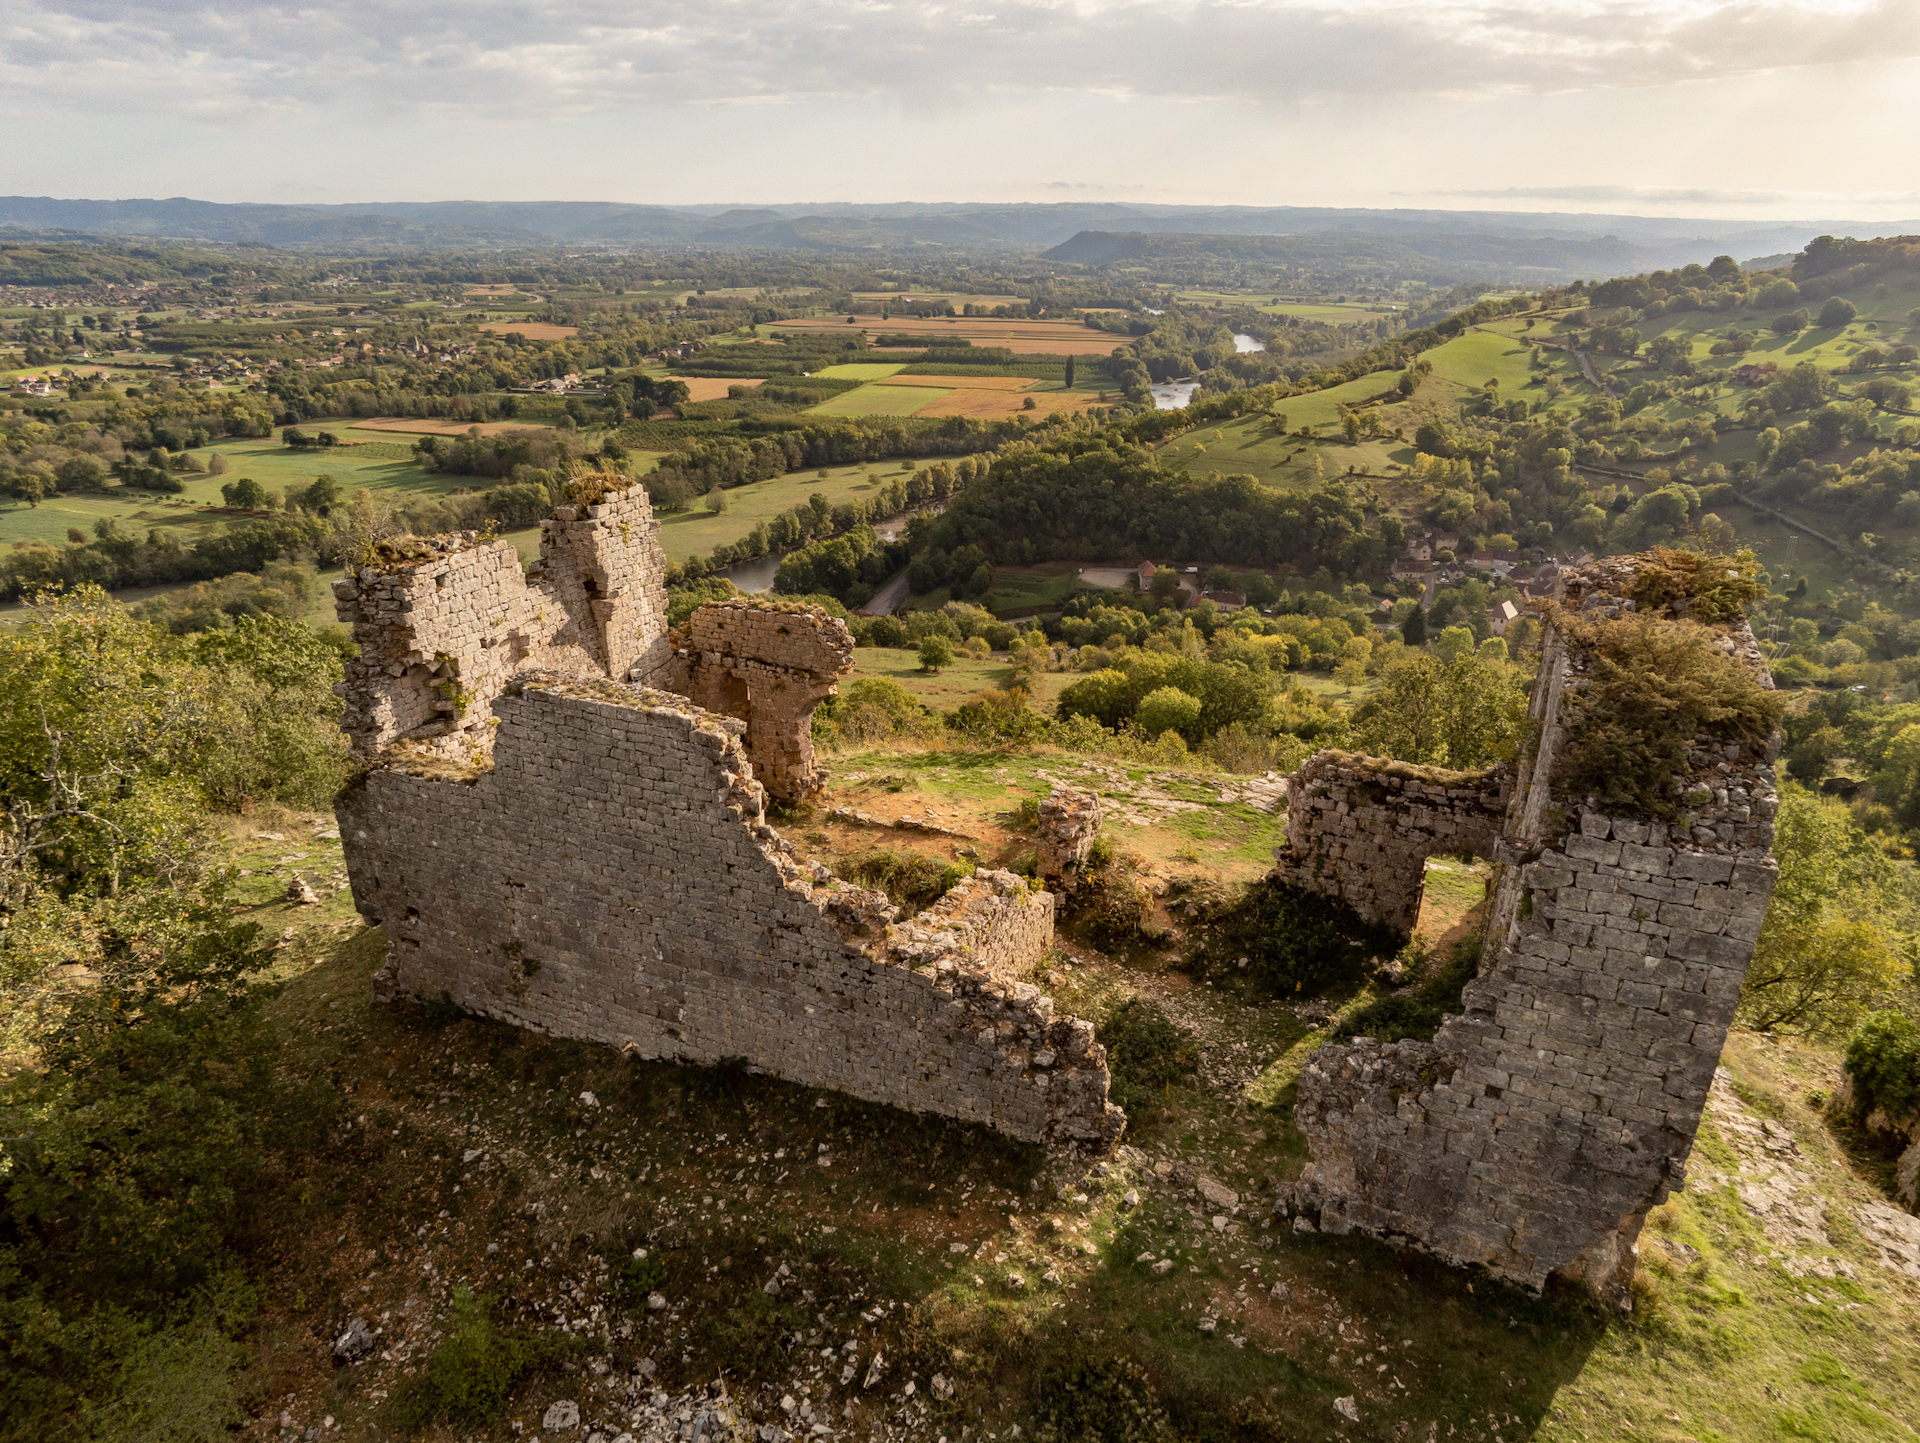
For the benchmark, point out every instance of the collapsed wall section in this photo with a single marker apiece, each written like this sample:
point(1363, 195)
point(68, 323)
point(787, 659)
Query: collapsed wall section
point(1536, 1130)
point(1360, 829)
point(613, 877)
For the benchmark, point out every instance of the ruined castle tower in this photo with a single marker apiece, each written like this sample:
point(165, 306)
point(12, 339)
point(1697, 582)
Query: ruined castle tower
point(1537, 1129)
point(563, 825)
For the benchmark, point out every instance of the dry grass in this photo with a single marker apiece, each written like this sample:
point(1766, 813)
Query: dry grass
point(532, 330)
point(714, 388)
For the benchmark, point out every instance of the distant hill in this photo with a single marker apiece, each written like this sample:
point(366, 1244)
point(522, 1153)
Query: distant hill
point(1426, 257)
point(1448, 244)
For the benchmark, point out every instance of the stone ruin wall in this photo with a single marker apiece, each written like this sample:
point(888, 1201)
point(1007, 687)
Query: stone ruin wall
point(552, 842)
point(1535, 1132)
point(444, 623)
point(1360, 829)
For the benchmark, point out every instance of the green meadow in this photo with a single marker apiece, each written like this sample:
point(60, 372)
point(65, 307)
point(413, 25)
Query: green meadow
point(878, 401)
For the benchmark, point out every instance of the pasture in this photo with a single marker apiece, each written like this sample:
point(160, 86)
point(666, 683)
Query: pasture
point(697, 531)
point(424, 426)
point(876, 400)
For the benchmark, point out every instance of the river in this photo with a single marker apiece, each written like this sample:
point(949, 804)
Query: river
point(1245, 343)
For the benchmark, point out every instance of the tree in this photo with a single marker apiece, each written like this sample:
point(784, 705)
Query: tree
point(1837, 312)
point(1823, 955)
point(1790, 323)
point(935, 652)
point(246, 494)
point(1069, 378)
point(716, 501)
point(1454, 642)
point(1464, 713)
point(1169, 709)
point(1414, 629)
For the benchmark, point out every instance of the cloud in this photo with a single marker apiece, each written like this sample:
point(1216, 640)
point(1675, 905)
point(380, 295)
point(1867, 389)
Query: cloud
point(1810, 201)
point(491, 61)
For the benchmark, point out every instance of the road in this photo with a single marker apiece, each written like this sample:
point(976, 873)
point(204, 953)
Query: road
point(887, 597)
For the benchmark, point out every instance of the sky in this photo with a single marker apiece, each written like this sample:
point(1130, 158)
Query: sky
point(1771, 109)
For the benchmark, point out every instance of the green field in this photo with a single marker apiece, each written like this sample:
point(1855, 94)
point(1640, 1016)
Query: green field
point(879, 401)
point(946, 689)
point(861, 370)
point(698, 531)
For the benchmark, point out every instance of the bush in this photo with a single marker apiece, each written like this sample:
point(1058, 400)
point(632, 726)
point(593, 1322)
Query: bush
point(473, 1372)
point(1654, 687)
point(1295, 942)
point(1419, 1011)
point(910, 880)
point(1883, 1064)
point(1100, 1400)
point(1169, 709)
point(1146, 1053)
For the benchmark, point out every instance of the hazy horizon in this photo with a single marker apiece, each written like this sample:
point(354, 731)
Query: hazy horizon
point(1762, 111)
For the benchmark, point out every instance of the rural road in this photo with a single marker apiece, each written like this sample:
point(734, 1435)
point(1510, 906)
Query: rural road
point(887, 597)
point(1587, 366)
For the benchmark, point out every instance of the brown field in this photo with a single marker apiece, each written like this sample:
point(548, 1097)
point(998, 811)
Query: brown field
point(1033, 338)
point(986, 405)
point(713, 388)
point(960, 383)
point(430, 426)
point(532, 330)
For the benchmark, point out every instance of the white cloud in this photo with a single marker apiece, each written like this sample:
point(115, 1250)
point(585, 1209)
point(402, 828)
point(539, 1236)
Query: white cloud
point(494, 61)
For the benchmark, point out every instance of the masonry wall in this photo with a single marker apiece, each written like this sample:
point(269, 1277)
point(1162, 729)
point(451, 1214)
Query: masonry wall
point(443, 622)
point(770, 663)
point(1539, 1127)
point(612, 877)
point(1360, 829)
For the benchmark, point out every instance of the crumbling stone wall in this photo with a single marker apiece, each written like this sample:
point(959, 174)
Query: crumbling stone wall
point(1360, 829)
point(1536, 1130)
point(612, 876)
point(443, 623)
point(769, 663)
point(1069, 826)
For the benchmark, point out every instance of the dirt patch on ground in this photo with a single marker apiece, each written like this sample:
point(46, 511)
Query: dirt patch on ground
point(532, 330)
point(714, 388)
point(431, 426)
